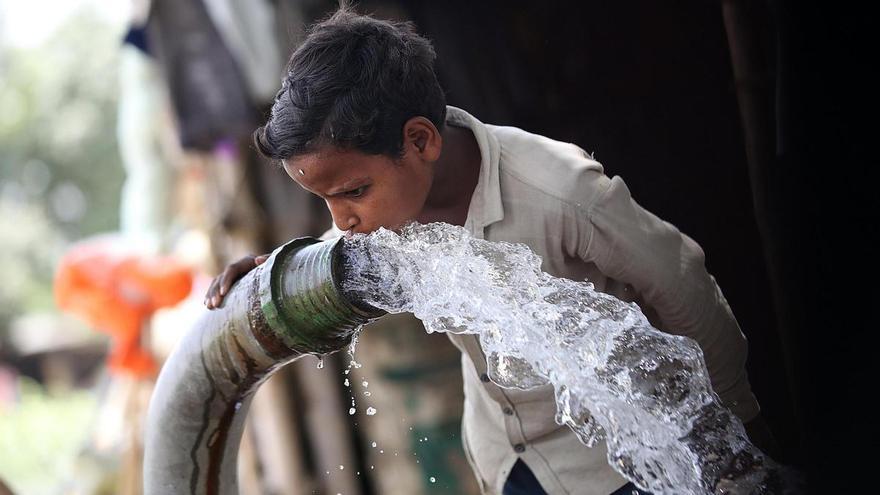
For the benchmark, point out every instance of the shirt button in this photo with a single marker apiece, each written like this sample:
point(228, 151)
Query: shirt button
point(519, 448)
point(508, 411)
point(484, 378)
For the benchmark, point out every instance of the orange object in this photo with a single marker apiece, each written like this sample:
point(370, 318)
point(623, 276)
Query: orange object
point(117, 293)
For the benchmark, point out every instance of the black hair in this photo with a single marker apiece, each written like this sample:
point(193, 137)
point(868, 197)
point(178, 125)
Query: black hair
point(353, 83)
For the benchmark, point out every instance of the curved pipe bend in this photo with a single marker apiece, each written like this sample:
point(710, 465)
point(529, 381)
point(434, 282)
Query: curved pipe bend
point(289, 306)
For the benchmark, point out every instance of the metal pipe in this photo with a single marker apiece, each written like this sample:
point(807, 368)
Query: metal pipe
point(289, 306)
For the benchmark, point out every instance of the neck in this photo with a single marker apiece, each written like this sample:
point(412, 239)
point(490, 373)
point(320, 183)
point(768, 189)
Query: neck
point(456, 173)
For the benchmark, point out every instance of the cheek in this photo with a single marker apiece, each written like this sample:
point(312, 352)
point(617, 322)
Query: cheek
point(389, 207)
point(412, 186)
point(409, 196)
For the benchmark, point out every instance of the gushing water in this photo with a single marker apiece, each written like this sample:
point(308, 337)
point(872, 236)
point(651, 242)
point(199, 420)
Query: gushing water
point(616, 378)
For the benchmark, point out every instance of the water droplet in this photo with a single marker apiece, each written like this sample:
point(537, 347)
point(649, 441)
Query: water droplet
point(371, 411)
point(346, 383)
point(365, 383)
point(341, 467)
point(374, 444)
point(320, 363)
point(367, 393)
point(433, 479)
point(353, 345)
point(352, 411)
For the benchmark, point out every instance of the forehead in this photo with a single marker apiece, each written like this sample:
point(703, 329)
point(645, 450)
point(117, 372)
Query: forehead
point(330, 166)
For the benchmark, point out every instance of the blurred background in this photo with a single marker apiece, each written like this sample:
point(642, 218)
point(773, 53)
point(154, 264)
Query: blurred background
point(127, 180)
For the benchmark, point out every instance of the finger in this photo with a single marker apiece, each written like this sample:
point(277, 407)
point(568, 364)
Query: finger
point(214, 298)
point(246, 264)
point(212, 287)
point(259, 260)
point(230, 275)
point(209, 294)
point(235, 271)
point(224, 284)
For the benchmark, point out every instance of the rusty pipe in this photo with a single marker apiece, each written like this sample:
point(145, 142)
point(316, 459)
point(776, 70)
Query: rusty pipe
point(289, 306)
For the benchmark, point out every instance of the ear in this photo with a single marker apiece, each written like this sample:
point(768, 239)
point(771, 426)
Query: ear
point(422, 138)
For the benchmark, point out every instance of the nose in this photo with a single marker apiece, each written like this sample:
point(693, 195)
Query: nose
point(344, 218)
point(345, 224)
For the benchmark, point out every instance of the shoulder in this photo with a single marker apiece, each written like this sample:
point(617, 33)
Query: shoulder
point(556, 168)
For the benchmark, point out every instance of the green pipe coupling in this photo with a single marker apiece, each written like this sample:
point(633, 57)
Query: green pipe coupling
point(302, 297)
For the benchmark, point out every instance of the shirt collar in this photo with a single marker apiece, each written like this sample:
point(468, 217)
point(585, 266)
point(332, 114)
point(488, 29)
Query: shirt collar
point(485, 208)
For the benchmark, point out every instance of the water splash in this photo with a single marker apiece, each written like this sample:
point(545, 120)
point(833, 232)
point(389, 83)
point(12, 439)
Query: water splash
point(616, 378)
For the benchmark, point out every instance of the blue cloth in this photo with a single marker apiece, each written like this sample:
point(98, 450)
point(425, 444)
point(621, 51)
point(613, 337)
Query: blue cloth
point(521, 481)
point(629, 489)
point(137, 37)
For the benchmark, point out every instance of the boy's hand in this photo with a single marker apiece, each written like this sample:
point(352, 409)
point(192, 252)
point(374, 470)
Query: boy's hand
point(223, 282)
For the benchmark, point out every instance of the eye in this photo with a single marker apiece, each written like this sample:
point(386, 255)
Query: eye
point(355, 193)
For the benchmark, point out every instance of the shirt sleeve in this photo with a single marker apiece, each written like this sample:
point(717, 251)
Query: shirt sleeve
point(667, 270)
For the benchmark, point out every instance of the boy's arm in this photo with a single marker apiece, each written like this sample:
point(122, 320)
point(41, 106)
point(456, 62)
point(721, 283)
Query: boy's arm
point(667, 270)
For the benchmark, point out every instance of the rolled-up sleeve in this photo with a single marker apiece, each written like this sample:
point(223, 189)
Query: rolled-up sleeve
point(667, 270)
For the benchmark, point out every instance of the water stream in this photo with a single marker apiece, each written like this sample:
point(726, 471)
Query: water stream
point(617, 379)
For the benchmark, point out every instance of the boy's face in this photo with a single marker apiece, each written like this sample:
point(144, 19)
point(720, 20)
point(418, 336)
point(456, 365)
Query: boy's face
point(364, 192)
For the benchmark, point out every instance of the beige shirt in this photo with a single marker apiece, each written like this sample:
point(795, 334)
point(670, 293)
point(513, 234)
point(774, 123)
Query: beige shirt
point(555, 198)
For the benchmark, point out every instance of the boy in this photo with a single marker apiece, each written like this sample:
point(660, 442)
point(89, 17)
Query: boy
point(362, 122)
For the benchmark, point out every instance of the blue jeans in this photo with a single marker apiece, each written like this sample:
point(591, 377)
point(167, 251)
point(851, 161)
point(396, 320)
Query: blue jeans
point(629, 489)
point(522, 482)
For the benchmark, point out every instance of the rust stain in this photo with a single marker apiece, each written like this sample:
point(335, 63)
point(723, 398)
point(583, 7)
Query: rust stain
point(260, 329)
point(206, 419)
point(217, 440)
